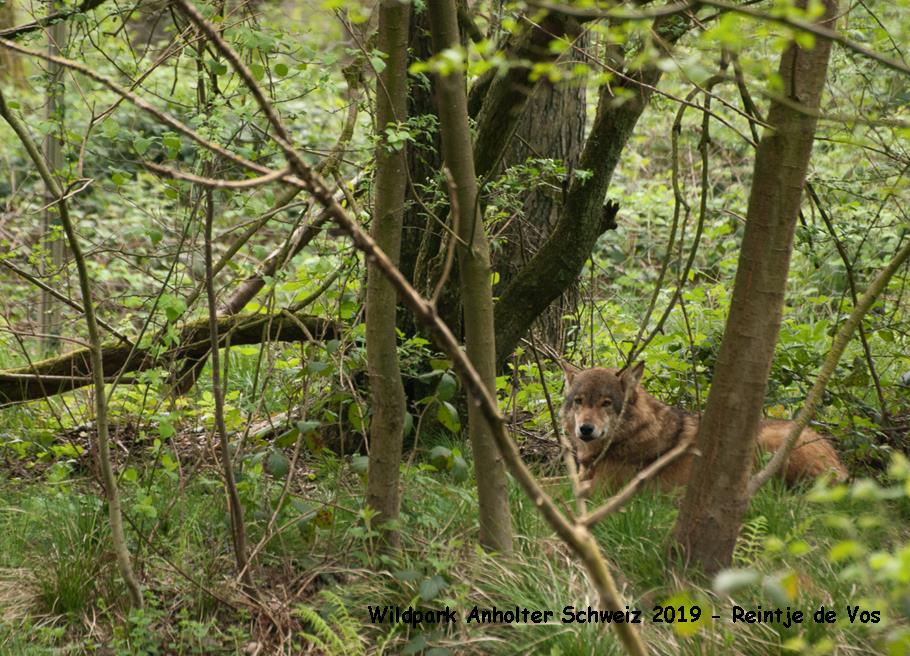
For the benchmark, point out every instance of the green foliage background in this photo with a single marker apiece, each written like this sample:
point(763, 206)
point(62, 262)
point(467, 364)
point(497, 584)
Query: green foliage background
point(834, 547)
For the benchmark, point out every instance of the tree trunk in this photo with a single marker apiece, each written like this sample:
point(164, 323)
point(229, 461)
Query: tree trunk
point(424, 240)
point(508, 94)
point(552, 126)
point(476, 289)
point(716, 497)
point(53, 153)
point(584, 217)
point(10, 62)
point(74, 369)
point(390, 183)
point(516, 120)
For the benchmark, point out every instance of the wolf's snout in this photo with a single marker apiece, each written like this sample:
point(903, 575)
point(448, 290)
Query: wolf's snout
point(586, 432)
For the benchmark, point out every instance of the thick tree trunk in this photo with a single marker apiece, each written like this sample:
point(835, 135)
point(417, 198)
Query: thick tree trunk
point(717, 496)
point(584, 217)
point(516, 119)
point(390, 183)
point(424, 238)
point(552, 127)
point(476, 289)
point(508, 94)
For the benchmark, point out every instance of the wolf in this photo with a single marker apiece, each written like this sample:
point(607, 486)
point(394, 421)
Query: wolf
point(617, 429)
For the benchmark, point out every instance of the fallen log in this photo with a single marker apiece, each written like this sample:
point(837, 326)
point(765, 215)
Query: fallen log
point(73, 370)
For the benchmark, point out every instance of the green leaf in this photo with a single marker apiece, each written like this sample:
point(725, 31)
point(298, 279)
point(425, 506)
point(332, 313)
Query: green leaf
point(142, 144)
point(287, 438)
point(460, 470)
point(448, 416)
point(440, 457)
point(844, 550)
point(281, 69)
point(154, 235)
point(308, 426)
point(173, 306)
point(110, 129)
point(356, 415)
point(277, 464)
point(408, 424)
point(171, 141)
point(446, 387)
point(360, 464)
point(165, 428)
point(316, 367)
point(415, 645)
point(431, 587)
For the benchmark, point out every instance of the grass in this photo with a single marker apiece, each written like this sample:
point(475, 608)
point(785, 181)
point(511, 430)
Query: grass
point(58, 581)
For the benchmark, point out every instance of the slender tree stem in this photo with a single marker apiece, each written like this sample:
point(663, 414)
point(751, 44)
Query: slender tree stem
point(118, 538)
point(238, 531)
point(390, 184)
point(475, 277)
point(838, 345)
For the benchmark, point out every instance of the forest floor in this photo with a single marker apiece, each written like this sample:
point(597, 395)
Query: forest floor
point(317, 571)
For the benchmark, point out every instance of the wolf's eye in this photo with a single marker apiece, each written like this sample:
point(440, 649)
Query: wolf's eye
point(577, 400)
point(607, 403)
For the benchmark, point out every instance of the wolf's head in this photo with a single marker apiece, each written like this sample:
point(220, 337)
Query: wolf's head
point(594, 400)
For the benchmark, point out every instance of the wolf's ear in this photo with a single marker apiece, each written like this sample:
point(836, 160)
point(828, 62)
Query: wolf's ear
point(569, 371)
point(631, 376)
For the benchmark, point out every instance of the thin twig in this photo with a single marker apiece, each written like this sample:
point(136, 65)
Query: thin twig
point(838, 345)
point(629, 490)
point(63, 298)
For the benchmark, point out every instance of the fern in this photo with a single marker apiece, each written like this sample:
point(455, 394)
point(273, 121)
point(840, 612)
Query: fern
point(337, 635)
point(750, 540)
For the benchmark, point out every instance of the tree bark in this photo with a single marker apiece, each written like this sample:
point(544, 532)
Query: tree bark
point(508, 94)
point(10, 62)
point(53, 154)
point(584, 217)
point(716, 497)
point(476, 288)
point(549, 119)
point(74, 369)
point(424, 239)
point(390, 183)
point(552, 126)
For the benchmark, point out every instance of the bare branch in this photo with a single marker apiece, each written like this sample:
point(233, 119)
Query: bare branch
point(50, 19)
point(629, 490)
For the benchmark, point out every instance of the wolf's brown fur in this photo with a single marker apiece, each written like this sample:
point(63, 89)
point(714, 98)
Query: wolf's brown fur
point(614, 448)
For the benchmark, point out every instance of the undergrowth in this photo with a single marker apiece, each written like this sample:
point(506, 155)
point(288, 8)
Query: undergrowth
point(802, 549)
